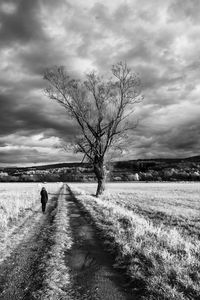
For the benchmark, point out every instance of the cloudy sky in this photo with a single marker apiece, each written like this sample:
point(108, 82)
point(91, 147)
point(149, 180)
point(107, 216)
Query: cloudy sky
point(160, 40)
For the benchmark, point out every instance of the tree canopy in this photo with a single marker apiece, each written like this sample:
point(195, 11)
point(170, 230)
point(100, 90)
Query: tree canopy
point(101, 107)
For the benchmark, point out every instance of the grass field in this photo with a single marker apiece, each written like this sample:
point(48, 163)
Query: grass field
point(154, 229)
point(18, 198)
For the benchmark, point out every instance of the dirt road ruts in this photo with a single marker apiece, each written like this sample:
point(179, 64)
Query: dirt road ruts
point(92, 273)
point(21, 274)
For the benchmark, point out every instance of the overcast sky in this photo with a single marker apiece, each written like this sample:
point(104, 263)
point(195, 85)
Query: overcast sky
point(160, 40)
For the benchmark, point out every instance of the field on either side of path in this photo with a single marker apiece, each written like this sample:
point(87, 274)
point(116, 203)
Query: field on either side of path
point(154, 229)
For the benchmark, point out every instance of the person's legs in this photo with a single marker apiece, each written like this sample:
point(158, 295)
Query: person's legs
point(43, 206)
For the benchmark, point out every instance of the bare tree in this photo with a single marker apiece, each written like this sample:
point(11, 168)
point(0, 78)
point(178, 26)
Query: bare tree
point(102, 109)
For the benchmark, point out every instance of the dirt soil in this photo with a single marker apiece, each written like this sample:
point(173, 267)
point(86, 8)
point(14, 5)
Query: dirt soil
point(22, 272)
point(92, 271)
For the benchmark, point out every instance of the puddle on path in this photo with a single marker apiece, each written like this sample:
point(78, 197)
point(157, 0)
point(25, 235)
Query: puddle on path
point(92, 273)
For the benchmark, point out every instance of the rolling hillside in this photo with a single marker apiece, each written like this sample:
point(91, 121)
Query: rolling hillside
point(145, 169)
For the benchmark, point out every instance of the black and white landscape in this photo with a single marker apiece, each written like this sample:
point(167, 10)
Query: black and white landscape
point(99, 150)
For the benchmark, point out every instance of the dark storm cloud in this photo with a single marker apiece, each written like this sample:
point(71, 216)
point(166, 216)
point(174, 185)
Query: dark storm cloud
point(22, 25)
point(158, 39)
point(20, 155)
point(8, 121)
point(41, 121)
point(31, 156)
point(32, 116)
point(168, 134)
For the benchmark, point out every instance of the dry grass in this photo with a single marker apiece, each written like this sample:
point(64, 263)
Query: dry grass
point(150, 227)
point(17, 198)
point(57, 275)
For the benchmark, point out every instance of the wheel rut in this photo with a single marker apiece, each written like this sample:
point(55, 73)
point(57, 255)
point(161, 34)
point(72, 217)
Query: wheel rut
point(92, 273)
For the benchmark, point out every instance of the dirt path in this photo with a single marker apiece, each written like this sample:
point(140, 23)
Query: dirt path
point(21, 273)
point(92, 272)
point(91, 276)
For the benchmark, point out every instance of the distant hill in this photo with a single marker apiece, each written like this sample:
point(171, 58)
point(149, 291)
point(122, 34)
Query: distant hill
point(160, 169)
point(125, 163)
point(193, 158)
point(46, 167)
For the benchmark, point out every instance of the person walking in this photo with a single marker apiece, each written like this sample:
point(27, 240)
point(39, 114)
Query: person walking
point(44, 199)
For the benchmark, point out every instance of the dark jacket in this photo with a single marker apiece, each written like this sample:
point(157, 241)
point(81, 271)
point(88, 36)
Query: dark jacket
point(44, 195)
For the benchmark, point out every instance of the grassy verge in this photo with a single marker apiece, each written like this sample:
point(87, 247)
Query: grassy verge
point(161, 262)
point(56, 283)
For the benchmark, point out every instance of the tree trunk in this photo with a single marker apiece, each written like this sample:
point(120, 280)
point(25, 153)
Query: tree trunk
point(99, 170)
